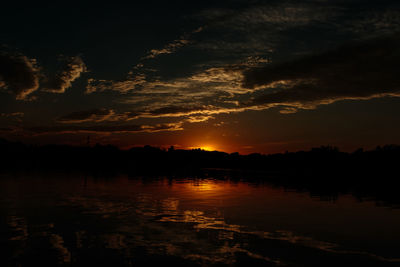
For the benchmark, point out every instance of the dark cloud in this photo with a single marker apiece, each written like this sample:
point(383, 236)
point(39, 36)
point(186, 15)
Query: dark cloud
point(120, 86)
point(104, 129)
point(12, 115)
point(97, 115)
point(19, 74)
point(192, 113)
point(62, 80)
point(86, 115)
point(175, 110)
point(168, 49)
point(6, 129)
point(22, 77)
point(363, 70)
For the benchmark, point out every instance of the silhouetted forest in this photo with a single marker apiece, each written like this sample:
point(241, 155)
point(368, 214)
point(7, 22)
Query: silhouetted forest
point(325, 171)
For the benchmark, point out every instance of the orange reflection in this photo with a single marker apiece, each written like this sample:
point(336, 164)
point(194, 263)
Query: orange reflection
point(205, 185)
point(212, 190)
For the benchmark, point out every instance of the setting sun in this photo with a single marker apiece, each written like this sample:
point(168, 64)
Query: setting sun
point(205, 147)
point(208, 148)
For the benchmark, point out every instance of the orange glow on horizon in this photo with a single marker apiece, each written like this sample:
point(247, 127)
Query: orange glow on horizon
point(205, 147)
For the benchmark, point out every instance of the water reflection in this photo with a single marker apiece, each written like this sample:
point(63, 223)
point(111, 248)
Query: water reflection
point(127, 222)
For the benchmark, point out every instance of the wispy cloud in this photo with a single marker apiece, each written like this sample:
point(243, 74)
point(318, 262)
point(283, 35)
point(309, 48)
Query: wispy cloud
point(118, 86)
point(12, 115)
point(168, 49)
point(199, 118)
point(173, 46)
point(375, 22)
point(103, 129)
point(11, 118)
point(206, 87)
point(192, 114)
point(95, 115)
point(73, 69)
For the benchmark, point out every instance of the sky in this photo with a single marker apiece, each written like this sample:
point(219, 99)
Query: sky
point(235, 76)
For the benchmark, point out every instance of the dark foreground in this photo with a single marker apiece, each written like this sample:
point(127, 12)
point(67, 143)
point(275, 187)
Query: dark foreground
point(53, 219)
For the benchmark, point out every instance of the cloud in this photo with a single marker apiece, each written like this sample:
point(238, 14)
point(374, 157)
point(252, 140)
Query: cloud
point(211, 84)
point(190, 114)
point(222, 79)
point(175, 111)
point(168, 49)
point(12, 115)
point(62, 80)
point(23, 77)
point(103, 129)
point(19, 74)
point(376, 22)
point(193, 113)
point(195, 119)
point(173, 46)
point(362, 70)
point(96, 115)
point(359, 70)
point(261, 28)
point(259, 33)
point(119, 86)
point(139, 80)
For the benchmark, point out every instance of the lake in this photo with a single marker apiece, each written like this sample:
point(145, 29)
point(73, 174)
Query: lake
point(81, 220)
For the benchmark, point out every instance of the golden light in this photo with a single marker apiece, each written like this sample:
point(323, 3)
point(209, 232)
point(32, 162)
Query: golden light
point(205, 147)
point(205, 185)
point(208, 148)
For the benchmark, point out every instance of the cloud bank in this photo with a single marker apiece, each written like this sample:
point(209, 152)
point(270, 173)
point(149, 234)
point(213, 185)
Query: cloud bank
point(364, 70)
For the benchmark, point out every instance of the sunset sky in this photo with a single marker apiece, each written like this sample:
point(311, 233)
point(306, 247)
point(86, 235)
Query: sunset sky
point(240, 75)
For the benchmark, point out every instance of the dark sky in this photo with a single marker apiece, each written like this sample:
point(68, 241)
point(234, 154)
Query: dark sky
point(239, 75)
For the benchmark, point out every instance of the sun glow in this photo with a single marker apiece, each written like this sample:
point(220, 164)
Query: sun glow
point(208, 148)
point(205, 147)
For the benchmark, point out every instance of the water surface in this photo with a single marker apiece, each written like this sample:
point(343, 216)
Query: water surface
point(78, 220)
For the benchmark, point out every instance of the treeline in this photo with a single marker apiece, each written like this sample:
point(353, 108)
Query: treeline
point(152, 159)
